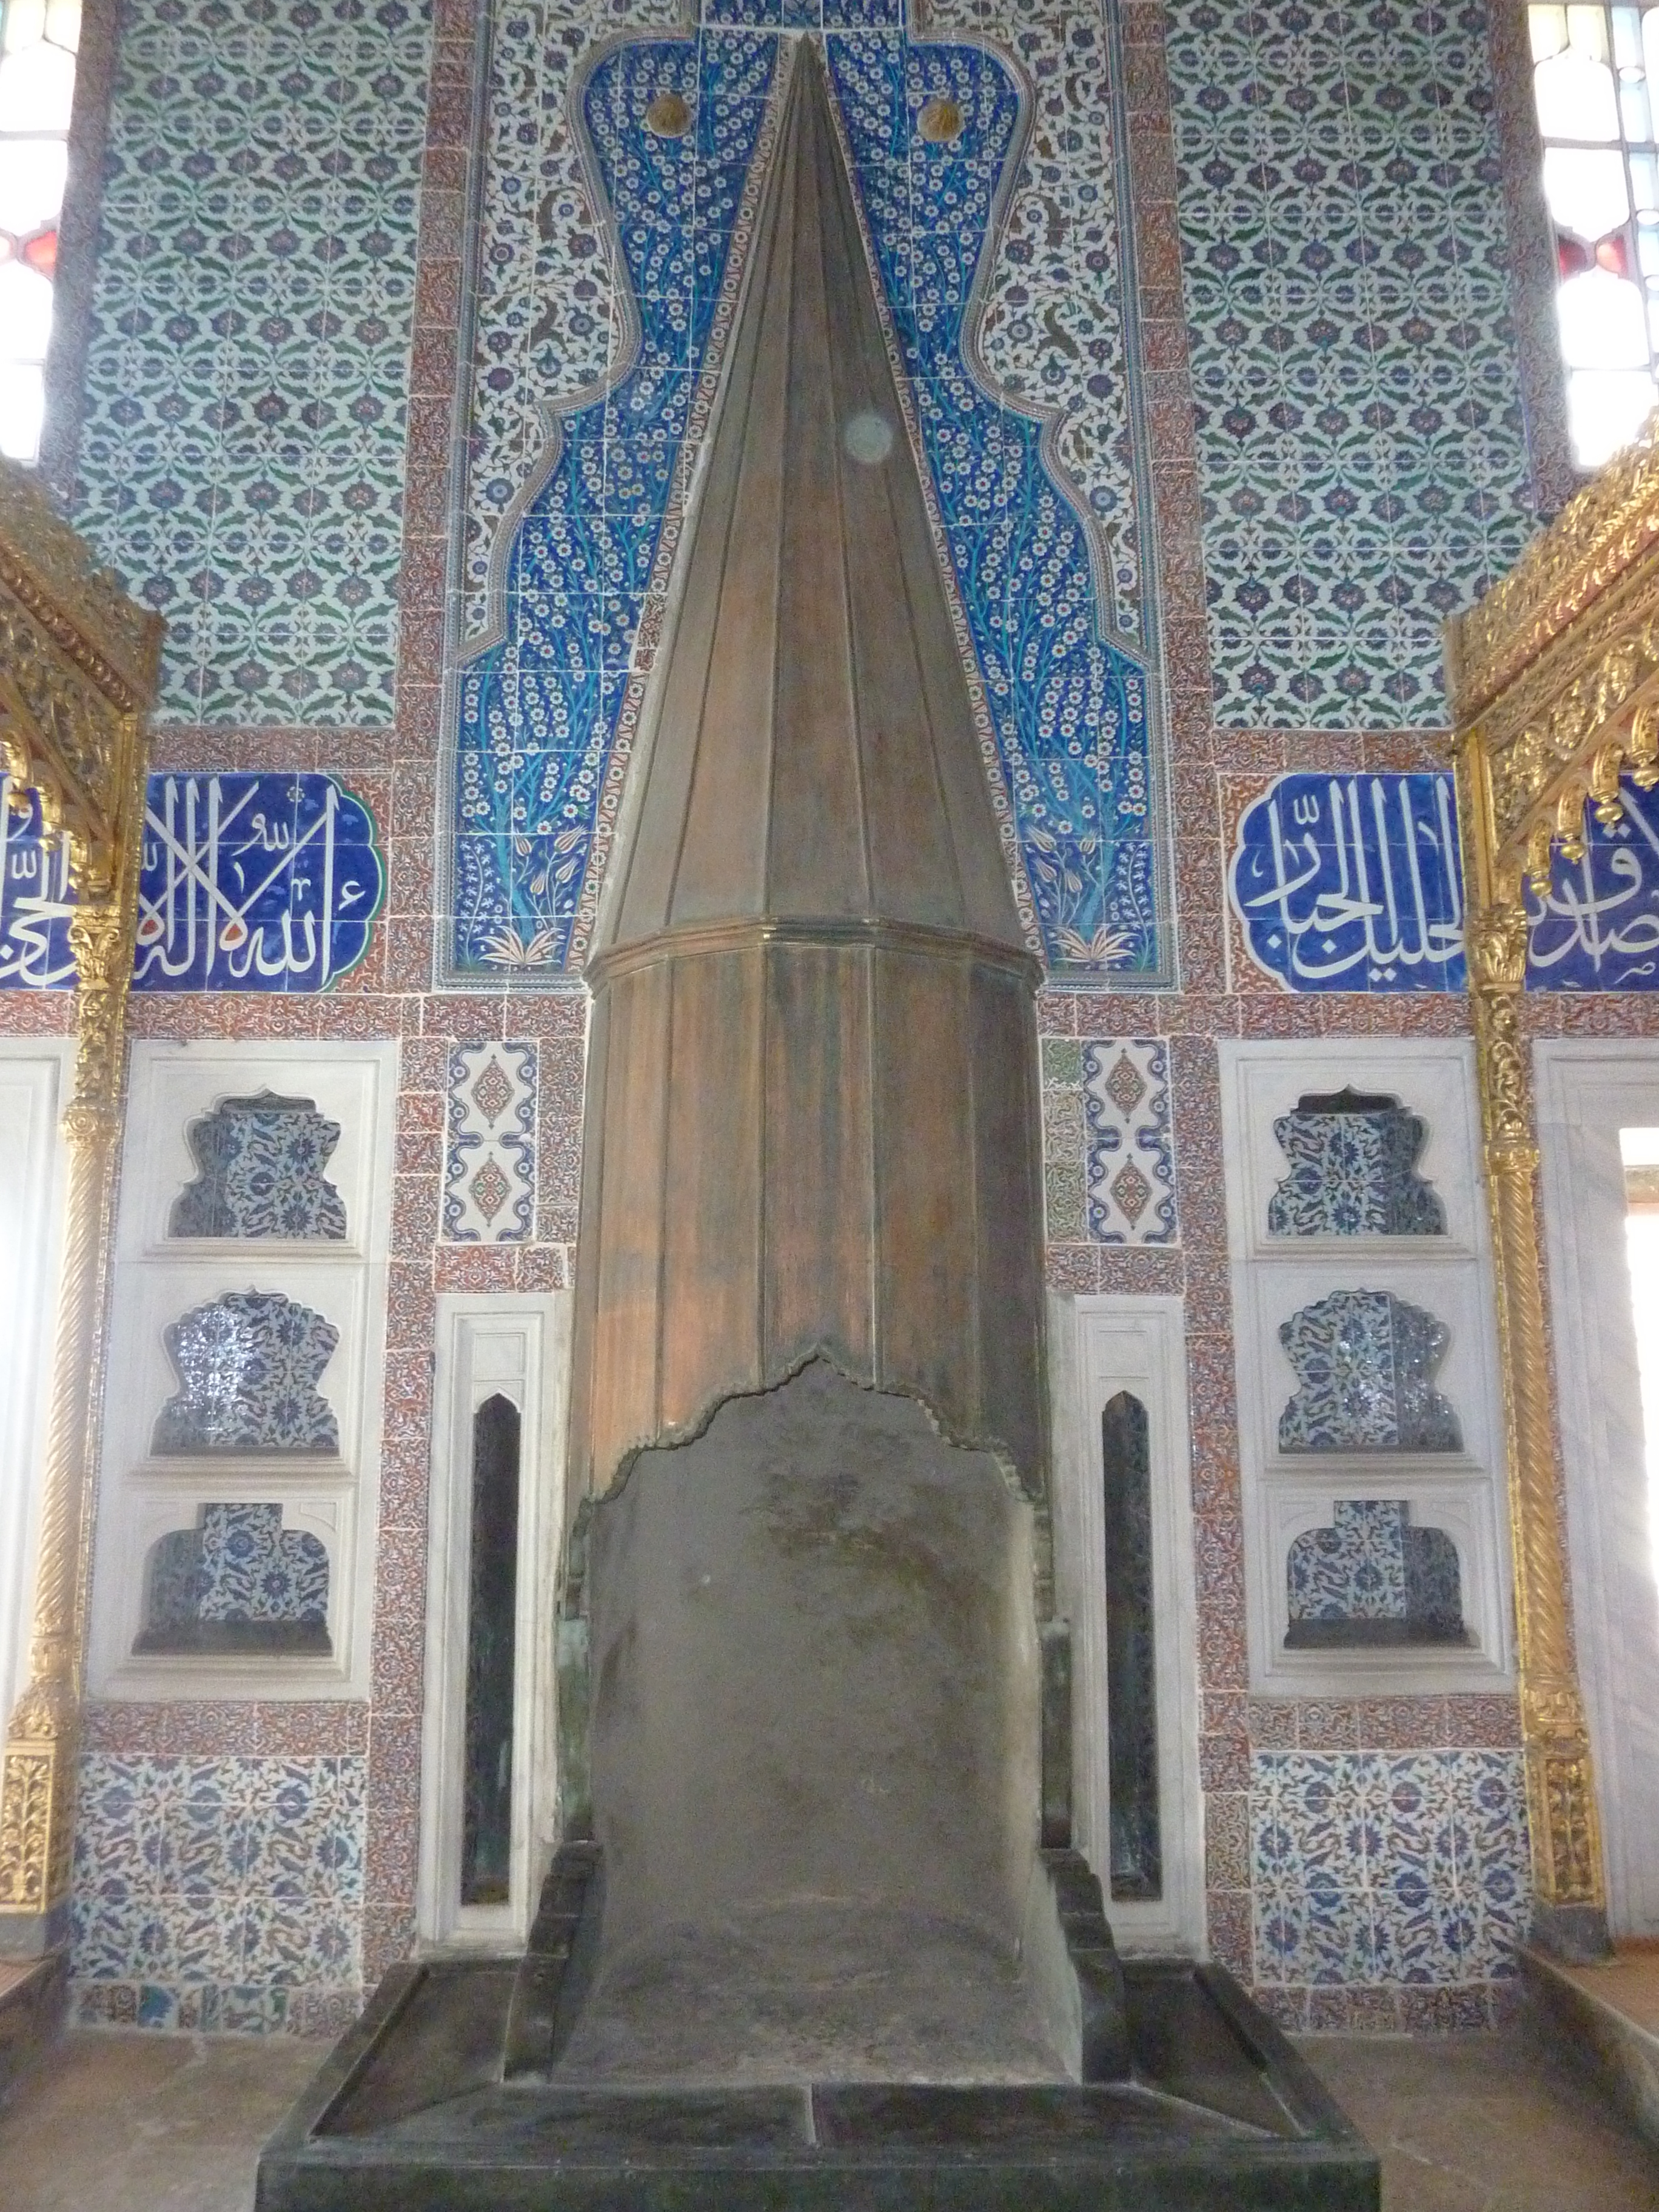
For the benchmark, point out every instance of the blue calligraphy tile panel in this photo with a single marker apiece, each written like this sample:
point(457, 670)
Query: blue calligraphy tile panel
point(241, 458)
point(253, 883)
point(567, 545)
point(36, 900)
point(250, 883)
point(1354, 883)
point(1362, 455)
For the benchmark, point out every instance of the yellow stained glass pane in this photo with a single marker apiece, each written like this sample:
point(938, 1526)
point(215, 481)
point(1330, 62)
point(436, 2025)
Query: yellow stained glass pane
point(25, 24)
point(37, 90)
point(1576, 99)
point(63, 23)
point(1548, 26)
point(1587, 33)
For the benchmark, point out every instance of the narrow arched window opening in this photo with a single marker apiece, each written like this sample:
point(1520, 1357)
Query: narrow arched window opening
point(491, 1620)
point(1137, 1844)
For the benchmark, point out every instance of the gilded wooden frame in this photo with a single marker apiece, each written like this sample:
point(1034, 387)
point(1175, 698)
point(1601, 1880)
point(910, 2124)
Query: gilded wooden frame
point(1554, 681)
point(78, 664)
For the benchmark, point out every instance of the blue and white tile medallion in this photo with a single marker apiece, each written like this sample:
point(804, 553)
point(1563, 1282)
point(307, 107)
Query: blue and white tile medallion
point(1354, 883)
point(250, 883)
point(573, 511)
point(1364, 1363)
point(261, 1163)
point(1390, 1868)
point(1128, 1144)
point(490, 1155)
point(248, 1365)
point(240, 460)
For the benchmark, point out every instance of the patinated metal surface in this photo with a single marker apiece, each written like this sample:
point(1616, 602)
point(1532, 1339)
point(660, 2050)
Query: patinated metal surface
point(811, 1102)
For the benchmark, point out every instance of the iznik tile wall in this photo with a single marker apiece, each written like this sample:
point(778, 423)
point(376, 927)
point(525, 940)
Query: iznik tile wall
point(218, 1893)
point(1392, 1869)
point(261, 1160)
point(1365, 1363)
point(1356, 395)
point(241, 451)
point(248, 1363)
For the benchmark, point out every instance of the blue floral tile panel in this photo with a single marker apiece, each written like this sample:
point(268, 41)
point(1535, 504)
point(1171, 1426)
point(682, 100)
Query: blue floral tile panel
point(490, 1155)
point(1129, 1141)
point(248, 1365)
point(1364, 1363)
point(1353, 1170)
point(573, 509)
point(237, 1581)
point(1355, 883)
point(1370, 1577)
point(1396, 1868)
point(230, 1890)
point(1362, 455)
point(260, 1162)
point(242, 455)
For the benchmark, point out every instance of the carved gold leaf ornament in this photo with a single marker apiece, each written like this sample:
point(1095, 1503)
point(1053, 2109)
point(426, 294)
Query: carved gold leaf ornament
point(1554, 680)
point(78, 667)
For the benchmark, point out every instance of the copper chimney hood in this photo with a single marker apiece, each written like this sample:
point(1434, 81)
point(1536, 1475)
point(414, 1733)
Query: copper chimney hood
point(808, 1567)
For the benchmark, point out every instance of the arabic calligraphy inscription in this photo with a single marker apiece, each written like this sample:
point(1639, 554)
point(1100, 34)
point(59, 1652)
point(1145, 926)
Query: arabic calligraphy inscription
point(250, 883)
point(1354, 883)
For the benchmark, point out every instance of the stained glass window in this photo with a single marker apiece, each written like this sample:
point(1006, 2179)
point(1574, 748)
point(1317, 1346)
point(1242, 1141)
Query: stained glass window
point(1595, 80)
point(38, 43)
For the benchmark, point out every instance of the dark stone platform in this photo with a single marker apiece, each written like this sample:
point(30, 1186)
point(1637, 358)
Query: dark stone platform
point(410, 2111)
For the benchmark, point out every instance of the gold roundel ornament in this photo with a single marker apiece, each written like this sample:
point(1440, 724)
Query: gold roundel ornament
point(940, 121)
point(668, 116)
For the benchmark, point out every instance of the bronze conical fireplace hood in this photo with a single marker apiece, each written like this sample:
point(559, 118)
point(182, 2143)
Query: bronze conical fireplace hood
point(807, 1428)
point(813, 1936)
point(812, 1113)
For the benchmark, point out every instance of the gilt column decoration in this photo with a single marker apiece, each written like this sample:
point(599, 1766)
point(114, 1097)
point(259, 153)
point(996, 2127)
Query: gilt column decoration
point(77, 671)
point(1554, 683)
point(1570, 1901)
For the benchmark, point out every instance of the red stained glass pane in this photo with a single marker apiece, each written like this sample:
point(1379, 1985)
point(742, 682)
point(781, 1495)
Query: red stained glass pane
point(41, 252)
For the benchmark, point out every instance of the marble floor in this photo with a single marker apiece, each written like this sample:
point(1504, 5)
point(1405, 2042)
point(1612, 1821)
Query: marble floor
point(139, 2123)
